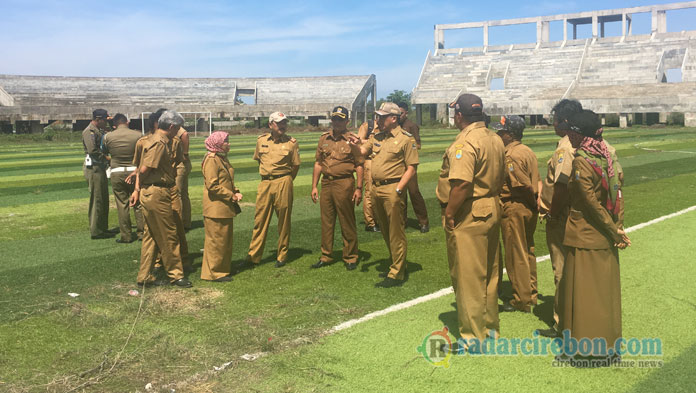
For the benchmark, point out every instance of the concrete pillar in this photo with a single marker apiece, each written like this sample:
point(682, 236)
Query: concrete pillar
point(663, 117)
point(631, 119)
point(419, 114)
point(623, 25)
point(575, 31)
point(565, 29)
point(603, 119)
point(662, 22)
point(439, 39)
point(485, 35)
point(442, 115)
point(690, 119)
point(594, 26)
point(623, 120)
point(545, 32)
point(601, 29)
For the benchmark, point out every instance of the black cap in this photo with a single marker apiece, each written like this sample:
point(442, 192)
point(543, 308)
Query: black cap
point(100, 114)
point(468, 104)
point(510, 123)
point(586, 123)
point(340, 112)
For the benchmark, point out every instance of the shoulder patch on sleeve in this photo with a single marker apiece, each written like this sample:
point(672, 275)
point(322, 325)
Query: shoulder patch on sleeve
point(458, 154)
point(511, 167)
point(560, 157)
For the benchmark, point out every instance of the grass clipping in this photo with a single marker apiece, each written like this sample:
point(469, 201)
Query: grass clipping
point(184, 301)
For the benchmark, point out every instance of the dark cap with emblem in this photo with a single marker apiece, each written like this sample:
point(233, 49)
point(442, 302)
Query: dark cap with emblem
point(510, 123)
point(468, 104)
point(586, 123)
point(339, 112)
point(100, 114)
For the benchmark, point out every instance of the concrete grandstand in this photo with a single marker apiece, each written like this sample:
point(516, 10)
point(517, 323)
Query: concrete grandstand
point(623, 74)
point(36, 101)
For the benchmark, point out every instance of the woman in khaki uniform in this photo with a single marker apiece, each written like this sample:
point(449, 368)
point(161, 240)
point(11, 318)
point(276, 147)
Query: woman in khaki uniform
point(590, 288)
point(220, 198)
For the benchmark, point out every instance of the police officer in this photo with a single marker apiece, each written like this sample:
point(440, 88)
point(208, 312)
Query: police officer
point(278, 155)
point(414, 193)
point(366, 129)
point(155, 179)
point(94, 169)
point(120, 145)
point(519, 198)
point(336, 162)
point(394, 164)
point(468, 189)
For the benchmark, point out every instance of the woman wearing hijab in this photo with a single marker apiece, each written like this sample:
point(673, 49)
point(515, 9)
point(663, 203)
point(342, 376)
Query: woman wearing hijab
point(590, 289)
point(220, 198)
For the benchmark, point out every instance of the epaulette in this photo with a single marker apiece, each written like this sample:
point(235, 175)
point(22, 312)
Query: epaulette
point(262, 135)
point(325, 133)
point(406, 133)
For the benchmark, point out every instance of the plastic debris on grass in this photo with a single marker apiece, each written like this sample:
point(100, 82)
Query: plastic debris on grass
point(73, 294)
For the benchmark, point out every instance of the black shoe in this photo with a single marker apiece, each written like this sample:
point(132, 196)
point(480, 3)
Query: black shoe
point(183, 283)
point(370, 228)
point(383, 274)
point(551, 332)
point(317, 265)
point(246, 265)
point(223, 279)
point(376, 229)
point(113, 231)
point(280, 264)
point(425, 228)
point(389, 283)
point(157, 271)
point(351, 266)
point(123, 241)
point(507, 307)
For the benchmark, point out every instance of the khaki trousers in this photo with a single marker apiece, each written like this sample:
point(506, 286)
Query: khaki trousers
point(161, 223)
point(217, 249)
point(590, 295)
point(389, 208)
point(368, 209)
point(182, 177)
point(417, 201)
point(518, 225)
point(473, 252)
point(122, 192)
point(98, 212)
point(272, 195)
point(335, 199)
point(177, 207)
point(555, 232)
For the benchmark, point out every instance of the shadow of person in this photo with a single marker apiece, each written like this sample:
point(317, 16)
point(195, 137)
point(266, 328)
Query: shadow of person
point(451, 320)
point(195, 225)
point(412, 223)
point(505, 291)
point(544, 309)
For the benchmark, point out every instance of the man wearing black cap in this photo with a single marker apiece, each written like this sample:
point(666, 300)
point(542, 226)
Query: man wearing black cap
point(468, 190)
point(94, 170)
point(336, 162)
point(519, 197)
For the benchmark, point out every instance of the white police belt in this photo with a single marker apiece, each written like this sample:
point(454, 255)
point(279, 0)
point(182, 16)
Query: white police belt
point(109, 171)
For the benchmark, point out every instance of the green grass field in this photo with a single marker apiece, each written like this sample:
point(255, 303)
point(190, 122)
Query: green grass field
point(52, 342)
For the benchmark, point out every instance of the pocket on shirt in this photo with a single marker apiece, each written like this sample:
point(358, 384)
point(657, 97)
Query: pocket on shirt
point(482, 208)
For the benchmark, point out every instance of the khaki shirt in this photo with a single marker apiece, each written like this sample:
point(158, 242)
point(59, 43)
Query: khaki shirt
point(558, 169)
point(393, 152)
point(589, 223)
point(157, 155)
point(219, 190)
point(276, 157)
point(413, 129)
point(120, 144)
point(477, 156)
point(91, 142)
point(177, 151)
point(335, 156)
point(521, 170)
point(138, 153)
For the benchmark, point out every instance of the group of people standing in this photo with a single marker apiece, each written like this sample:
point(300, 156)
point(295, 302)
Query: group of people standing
point(489, 183)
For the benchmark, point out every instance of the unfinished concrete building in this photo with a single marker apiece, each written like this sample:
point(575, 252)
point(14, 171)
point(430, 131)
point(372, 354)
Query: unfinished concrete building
point(626, 74)
point(35, 101)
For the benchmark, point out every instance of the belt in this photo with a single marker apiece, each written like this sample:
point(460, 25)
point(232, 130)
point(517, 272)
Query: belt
point(324, 177)
point(165, 185)
point(123, 169)
point(273, 177)
point(386, 181)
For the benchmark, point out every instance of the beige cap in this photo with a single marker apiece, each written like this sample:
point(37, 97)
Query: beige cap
point(277, 117)
point(388, 108)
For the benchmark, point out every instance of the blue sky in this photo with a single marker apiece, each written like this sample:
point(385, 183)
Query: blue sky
point(261, 38)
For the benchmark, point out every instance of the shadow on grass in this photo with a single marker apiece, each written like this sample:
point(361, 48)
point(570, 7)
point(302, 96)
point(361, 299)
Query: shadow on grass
point(451, 320)
point(675, 376)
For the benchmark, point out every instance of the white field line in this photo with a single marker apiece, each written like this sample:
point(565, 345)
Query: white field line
point(637, 146)
point(448, 290)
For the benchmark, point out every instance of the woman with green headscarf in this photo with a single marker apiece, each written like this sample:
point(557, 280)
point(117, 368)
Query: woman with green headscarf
point(590, 289)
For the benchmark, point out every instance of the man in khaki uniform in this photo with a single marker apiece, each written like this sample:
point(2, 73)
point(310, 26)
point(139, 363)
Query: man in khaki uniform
point(183, 170)
point(335, 161)
point(414, 193)
point(394, 164)
point(278, 155)
point(156, 176)
point(366, 129)
point(120, 145)
point(471, 178)
point(519, 198)
point(94, 169)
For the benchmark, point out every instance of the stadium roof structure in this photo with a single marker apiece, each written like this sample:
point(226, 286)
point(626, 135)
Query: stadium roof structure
point(48, 98)
point(621, 74)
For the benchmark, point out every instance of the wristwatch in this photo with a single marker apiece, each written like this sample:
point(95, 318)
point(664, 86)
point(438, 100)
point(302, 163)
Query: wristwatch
point(398, 191)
